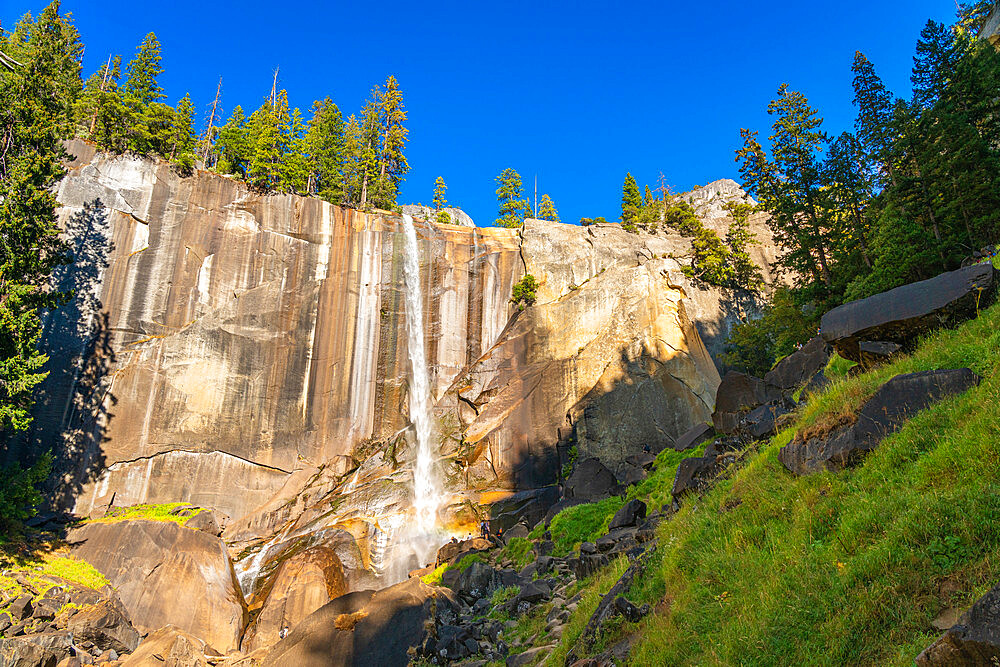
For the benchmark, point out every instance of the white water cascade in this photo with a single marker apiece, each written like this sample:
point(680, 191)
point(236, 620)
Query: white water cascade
point(426, 495)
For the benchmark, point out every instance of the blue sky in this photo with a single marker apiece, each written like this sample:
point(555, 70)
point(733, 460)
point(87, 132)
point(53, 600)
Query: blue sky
point(577, 93)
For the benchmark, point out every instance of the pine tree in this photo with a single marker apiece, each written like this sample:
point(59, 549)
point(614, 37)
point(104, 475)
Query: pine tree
point(439, 191)
point(547, 210)
point(850, 190)
point(143, 72)
point(36, 115)
point(325, 145)
point(352, 162)
point(392, 164)
point(233, 146)
point(269, 137)
point(874, 122)
point(512, 207)
point(296, 172)
point(182, 144)
point(368, 150)
point(745, 272)
point(788, 185)
point(631, 203)
point(934, 65)
point(647, 198)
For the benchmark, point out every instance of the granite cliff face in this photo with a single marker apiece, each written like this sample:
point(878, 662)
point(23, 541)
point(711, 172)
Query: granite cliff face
point(256, 335)
point(247, 353)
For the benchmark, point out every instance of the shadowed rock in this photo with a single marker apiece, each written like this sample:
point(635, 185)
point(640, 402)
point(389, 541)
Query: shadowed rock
point(696, 435)
point(972, 642)
point(796, 369)
point(633, 512)
point(528, 507)
point(739, 394)
point(366, 628)
point(884, 413)
point(591, 480)
point(167, 574)
point(903, 314)
point(170, 646)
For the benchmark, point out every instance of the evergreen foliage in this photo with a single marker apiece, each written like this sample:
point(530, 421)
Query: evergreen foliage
point(38, 103)
point(439, 194)
point(631, 203)
point(547, 210)
point(512, 207)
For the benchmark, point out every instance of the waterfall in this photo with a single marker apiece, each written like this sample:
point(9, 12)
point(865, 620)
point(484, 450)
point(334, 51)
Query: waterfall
point(425, 492)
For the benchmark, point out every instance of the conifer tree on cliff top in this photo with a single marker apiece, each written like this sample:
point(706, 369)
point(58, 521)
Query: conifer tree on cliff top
point(439, 191)
point(631, 203)
point(547, 209)
point(143, 72)
point(325, 146)
point(512, 207)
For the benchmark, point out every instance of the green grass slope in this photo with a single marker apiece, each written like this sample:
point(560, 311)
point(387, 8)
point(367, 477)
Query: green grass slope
point(845, 568)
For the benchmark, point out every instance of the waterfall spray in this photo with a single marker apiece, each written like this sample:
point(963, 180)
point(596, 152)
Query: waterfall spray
point(425, 491)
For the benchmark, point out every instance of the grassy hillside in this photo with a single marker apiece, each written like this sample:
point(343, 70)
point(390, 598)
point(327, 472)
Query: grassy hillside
point(844, 568)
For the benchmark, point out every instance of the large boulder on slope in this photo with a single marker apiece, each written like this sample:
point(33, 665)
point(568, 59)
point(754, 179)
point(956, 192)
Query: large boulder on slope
point(903, 314)
point(167, 574)
point(739, 394)
point(364, 628)
point(694, 436)
point(972, 642)
point(528, 507)
point(884, 413)
point(303, 583)
point(591, 480)
point(800, 366)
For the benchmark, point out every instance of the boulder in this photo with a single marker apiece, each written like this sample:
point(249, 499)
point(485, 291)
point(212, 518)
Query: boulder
point(478, 580)
point(884, 413)
point(365, 628)
point(528, 506)
point(974, 640)
point(694, 474)
point(167, 574)
point(797, 368)
point(302, 584)
point(453, 551)
point(44, 649)
point(739, 394)
point(591, 480)
point(904, 314)
point(170, 646)
point(876, 352)
point(205, 520)
point(761, 422)
point(630, 514)
point(106, 625)
point(693, 437)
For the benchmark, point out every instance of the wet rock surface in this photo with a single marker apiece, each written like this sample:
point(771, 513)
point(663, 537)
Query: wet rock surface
point(893, 404)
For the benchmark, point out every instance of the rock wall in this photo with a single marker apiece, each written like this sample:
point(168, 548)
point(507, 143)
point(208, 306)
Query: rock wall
point(607, 359)
point(252, 335)
point(247, 352)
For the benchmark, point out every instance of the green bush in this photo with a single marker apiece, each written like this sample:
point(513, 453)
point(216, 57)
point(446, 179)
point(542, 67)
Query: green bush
point(19, 493)
point(523, 293)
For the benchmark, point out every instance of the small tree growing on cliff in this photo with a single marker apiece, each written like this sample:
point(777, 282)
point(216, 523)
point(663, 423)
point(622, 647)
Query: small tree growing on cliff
point(547, 209)
point(512, 207)
point(439, 189)
point(631, 203)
